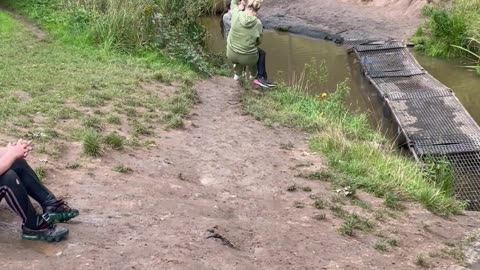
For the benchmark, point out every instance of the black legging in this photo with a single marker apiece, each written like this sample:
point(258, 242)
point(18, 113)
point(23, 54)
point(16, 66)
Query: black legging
point(16, 185)
point(261, 64)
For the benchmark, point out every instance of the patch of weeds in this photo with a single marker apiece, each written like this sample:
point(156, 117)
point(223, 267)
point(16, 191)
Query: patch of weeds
point(392, 242)
point(319, 204)
point(338, 211)
point(381, 246)
point(114, 120)
point(73, 166)
point(122, 169)
point(131, 112)
point(58, 150)
point(307, 189)
point(456, 253)
point(292, 188)
point(321, 216)
point(354, 222)
point(337, 199)
point(91, 101)
point(42, 135)
point(173, 121)
point(348, 226)
point(93, 122)
point(163, 77)
point(92, 143)
point(114, 140)
point(41, 172)
point(421, 261)
point(299, 205)
point(286, 146)
point(300, 165)
point(318, 175)
point(362, 204)
point(134, 142)
point(392, 202)
point(140, 129)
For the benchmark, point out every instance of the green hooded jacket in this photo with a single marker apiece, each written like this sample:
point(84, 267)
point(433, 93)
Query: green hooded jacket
point(246, 32)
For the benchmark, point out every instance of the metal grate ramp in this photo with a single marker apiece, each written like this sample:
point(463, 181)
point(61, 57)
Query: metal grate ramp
point(412, 87)
point(389, 63)
point(433, 121)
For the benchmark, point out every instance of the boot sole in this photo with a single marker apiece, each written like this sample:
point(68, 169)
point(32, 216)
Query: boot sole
point(56, 238)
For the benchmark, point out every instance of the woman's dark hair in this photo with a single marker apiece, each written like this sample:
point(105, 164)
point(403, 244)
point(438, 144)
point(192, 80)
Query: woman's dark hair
point(225, 11)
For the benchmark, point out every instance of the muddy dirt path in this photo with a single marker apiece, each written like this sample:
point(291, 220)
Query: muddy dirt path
point(351, 19)
point(225, 172)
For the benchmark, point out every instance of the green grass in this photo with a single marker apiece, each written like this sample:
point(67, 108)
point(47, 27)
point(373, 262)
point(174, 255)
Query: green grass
point(421, 261)
point(115, 141)
point(122, 169)
point(65, 87)
point(41, 172)
point(168, 29)
point(449, 24)
point(92, 143)
point(381, 246)
point(359, 156)
point(319, 204)
point(179, 106)
point(354, 222)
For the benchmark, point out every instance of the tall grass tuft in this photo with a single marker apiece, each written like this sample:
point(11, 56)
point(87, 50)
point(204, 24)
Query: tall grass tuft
point(449, 24)
point(92, 143)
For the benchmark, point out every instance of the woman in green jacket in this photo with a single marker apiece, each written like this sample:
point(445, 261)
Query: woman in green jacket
point(244, 37)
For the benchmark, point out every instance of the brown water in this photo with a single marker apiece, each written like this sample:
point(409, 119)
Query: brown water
point(287, 55)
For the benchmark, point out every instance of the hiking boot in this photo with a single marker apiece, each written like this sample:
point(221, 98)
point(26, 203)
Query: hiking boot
point(50, 233)
point(61, 212)
point(260, 82)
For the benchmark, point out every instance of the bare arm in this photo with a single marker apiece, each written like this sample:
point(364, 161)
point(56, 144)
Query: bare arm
point(3, 150)
point(12, 153)
point(234, 7)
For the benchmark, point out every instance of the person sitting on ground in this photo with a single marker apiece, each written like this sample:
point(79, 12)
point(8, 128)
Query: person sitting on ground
point(17, 182)
point(242, 44)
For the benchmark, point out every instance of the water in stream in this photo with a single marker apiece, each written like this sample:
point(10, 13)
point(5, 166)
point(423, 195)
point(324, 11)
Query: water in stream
point(287, 55)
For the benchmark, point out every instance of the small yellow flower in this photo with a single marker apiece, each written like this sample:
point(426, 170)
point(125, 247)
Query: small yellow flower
point(324, 95)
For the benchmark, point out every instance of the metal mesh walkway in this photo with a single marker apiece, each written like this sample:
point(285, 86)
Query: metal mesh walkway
point(433, 121)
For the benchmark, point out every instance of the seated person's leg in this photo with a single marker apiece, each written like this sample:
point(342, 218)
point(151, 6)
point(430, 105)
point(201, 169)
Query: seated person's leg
point(262, 76)
point(34, 226)
point(57, 209)
point(261, 69)
point(238, 69)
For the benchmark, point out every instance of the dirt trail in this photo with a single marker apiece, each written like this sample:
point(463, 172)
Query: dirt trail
point(352, 19)
point(224, 171)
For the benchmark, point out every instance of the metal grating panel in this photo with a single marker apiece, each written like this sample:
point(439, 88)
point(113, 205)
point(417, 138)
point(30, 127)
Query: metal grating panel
point(466, 167)
point(378, 47)
point(414, 87)
point(389, 63)
point(433, 117)
point(442, 145)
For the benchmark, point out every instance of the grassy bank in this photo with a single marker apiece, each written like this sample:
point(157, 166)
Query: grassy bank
point(57, 89)
point(168, 29)
point(359, 156)
point(449, 27)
